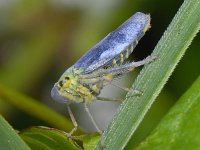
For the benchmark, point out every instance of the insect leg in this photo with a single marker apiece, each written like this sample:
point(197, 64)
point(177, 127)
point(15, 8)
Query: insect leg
point(136, 92)
point(73, 121)
point(91, 117)
point(128, 67)
point(108, 99)
point(119, 70)
point(144, 61)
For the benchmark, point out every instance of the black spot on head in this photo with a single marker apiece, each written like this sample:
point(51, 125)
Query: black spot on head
point(67, 78)
point(60, 83)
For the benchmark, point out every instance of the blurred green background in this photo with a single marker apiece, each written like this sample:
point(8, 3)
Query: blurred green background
point(39, 40)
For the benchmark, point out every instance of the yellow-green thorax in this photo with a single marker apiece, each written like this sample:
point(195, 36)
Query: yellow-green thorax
point(70, 88)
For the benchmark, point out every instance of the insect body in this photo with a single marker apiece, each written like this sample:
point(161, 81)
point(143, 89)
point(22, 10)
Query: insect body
point(83, 81)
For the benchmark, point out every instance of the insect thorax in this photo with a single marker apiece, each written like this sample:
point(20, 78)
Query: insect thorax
point(72, 88)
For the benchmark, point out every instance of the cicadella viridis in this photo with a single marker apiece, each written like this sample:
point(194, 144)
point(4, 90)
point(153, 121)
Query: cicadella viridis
point(83, 82)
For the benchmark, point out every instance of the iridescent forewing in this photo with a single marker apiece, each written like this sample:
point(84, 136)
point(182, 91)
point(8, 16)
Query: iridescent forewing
point(114, 44)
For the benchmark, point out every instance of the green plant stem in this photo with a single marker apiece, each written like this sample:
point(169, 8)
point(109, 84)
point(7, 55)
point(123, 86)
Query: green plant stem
point(153, 77)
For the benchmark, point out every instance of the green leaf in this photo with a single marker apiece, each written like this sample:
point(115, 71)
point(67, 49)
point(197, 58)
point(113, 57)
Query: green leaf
point(43, 138)
point(181, 126)
point(90, 141)
point(153, 77)
point(9, 139)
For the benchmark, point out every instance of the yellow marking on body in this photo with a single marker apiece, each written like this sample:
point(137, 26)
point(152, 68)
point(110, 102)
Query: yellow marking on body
point(121, 58)
point(85, 92)
point(114, 62)
point(127, 54)
point(131, 48)
point(108, 77)
point(67, 84)
point(147, 27)
point(136, 41)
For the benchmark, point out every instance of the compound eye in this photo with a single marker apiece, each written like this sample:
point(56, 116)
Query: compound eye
point(60, 83)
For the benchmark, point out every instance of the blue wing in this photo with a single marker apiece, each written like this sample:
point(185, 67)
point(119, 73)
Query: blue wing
point(114, 43)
